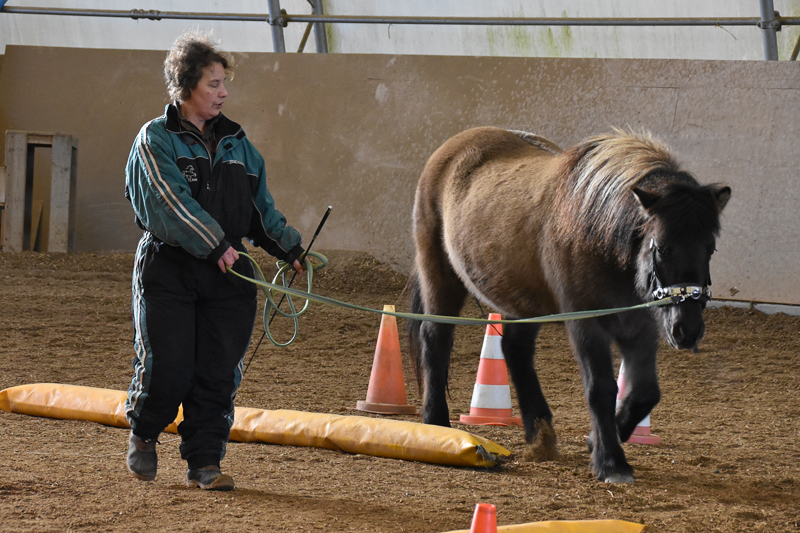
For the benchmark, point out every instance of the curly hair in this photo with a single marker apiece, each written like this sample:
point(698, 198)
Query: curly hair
point(185, 62)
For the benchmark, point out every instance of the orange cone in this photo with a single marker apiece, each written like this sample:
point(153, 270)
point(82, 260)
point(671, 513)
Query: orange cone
point(387, 388)
point(491, 397)
point(484, 520)
point(641, 435)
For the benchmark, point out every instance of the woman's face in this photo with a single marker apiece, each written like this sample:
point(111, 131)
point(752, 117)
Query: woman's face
point(207, 98)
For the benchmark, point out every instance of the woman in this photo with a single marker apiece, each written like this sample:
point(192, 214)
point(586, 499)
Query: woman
point(198, 187)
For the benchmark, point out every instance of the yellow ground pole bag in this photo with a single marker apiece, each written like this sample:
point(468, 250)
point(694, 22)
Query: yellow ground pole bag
point(394, 439)
point(353, 434)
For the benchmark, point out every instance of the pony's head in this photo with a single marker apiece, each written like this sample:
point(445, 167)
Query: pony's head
point(679, 237)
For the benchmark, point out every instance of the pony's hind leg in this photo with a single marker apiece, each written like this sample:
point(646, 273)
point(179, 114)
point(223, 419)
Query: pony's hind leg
point(519, 346)
point(431, 343)
point(592, 348)
point(437, 343)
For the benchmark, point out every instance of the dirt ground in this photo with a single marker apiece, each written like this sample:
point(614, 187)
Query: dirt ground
point(729, 423)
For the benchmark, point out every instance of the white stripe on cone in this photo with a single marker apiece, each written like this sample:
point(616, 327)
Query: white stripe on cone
point(491, 347)
point(491, 396)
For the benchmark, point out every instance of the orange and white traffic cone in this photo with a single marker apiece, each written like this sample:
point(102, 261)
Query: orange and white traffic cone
point(387, 387)
point(484, 520)
point(491, 397)
point(641, 435)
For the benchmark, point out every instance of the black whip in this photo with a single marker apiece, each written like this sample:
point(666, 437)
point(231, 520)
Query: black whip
point(310, 244)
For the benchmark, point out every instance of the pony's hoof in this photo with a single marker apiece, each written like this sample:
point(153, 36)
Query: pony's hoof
point(544, 446)
point(619, 478)
point(610, 471)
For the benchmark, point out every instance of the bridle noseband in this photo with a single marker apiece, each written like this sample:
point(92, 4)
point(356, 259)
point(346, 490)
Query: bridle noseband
point(678, 293)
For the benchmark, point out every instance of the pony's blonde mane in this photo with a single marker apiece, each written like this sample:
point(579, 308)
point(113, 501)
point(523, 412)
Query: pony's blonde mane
point(601, 173)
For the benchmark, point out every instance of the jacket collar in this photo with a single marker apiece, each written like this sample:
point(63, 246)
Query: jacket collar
point(225, 127)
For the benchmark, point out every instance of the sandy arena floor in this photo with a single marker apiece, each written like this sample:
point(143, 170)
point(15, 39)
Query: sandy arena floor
point(729, 422)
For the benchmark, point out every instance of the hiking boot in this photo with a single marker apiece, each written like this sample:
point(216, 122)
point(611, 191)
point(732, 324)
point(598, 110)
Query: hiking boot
point(209, 478)
point(142, 458)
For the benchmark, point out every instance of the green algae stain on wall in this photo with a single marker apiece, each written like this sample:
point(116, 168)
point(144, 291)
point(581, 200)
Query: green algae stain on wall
point(330, 35)
point(566, 36)
point(559, 42)
point(521, 40)
point(492, 38)
point(531, 41)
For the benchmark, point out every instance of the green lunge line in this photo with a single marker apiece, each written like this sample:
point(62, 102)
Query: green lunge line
point(268, 288)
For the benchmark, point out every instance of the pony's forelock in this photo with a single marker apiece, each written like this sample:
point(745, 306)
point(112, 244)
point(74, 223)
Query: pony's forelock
point(603, 170)
point(689, 211)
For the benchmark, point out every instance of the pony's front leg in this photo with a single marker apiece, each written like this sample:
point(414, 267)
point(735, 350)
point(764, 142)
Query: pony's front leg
point(519, 347)
point(641, 381)
point(593, 351)
point(436, 345)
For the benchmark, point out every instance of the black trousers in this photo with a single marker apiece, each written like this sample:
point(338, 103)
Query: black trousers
point(192, 326)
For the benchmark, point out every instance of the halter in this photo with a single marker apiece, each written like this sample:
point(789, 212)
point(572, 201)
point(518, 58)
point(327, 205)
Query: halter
point(678, 293)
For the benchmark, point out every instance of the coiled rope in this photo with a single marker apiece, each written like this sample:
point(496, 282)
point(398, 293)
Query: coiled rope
point(270, 288)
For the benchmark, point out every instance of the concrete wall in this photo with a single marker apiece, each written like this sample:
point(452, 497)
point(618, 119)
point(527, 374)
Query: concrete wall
point(354, 131)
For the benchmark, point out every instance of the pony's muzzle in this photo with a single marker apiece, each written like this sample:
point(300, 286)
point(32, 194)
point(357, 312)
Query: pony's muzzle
point(686, 332)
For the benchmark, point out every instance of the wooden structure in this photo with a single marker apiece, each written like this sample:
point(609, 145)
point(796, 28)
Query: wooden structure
point(22, 216)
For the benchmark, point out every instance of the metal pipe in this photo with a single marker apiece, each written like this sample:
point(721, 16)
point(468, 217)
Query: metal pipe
point(770, 24)
point(319, 27)
point(277, 21)
point(481, 21)
point(283, 18)
point(134, 14)
point(796, 50)
point(304, 40)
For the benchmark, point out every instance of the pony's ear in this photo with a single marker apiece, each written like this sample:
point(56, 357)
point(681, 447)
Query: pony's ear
point(722, 196)
point(646, 199)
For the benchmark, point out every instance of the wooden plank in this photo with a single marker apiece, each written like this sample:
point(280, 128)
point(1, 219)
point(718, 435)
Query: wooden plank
point(37, 138)
point(40, 139)
point(61, 194)
point(16, 173)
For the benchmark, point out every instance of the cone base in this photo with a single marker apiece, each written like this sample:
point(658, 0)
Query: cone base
point(386, 408)
point(474, 420)
point(644, 439)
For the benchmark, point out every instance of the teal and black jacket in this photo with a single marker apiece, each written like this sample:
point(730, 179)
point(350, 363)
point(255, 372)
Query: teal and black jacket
point(184, 199)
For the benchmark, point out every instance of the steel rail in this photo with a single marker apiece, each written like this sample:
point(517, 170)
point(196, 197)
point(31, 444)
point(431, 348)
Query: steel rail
point(546, 21)
point(284, 19)
point(135, 14)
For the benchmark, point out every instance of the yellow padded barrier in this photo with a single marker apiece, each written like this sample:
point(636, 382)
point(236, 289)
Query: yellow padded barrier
point(571, 526)
point(394, 439)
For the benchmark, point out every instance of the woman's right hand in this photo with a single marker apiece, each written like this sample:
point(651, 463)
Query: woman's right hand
point(228, 259)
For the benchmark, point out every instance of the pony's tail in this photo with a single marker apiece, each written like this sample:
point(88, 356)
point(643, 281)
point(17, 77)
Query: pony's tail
point(413, 327)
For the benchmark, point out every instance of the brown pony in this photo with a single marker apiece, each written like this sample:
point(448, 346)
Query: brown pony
point(532, 230)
